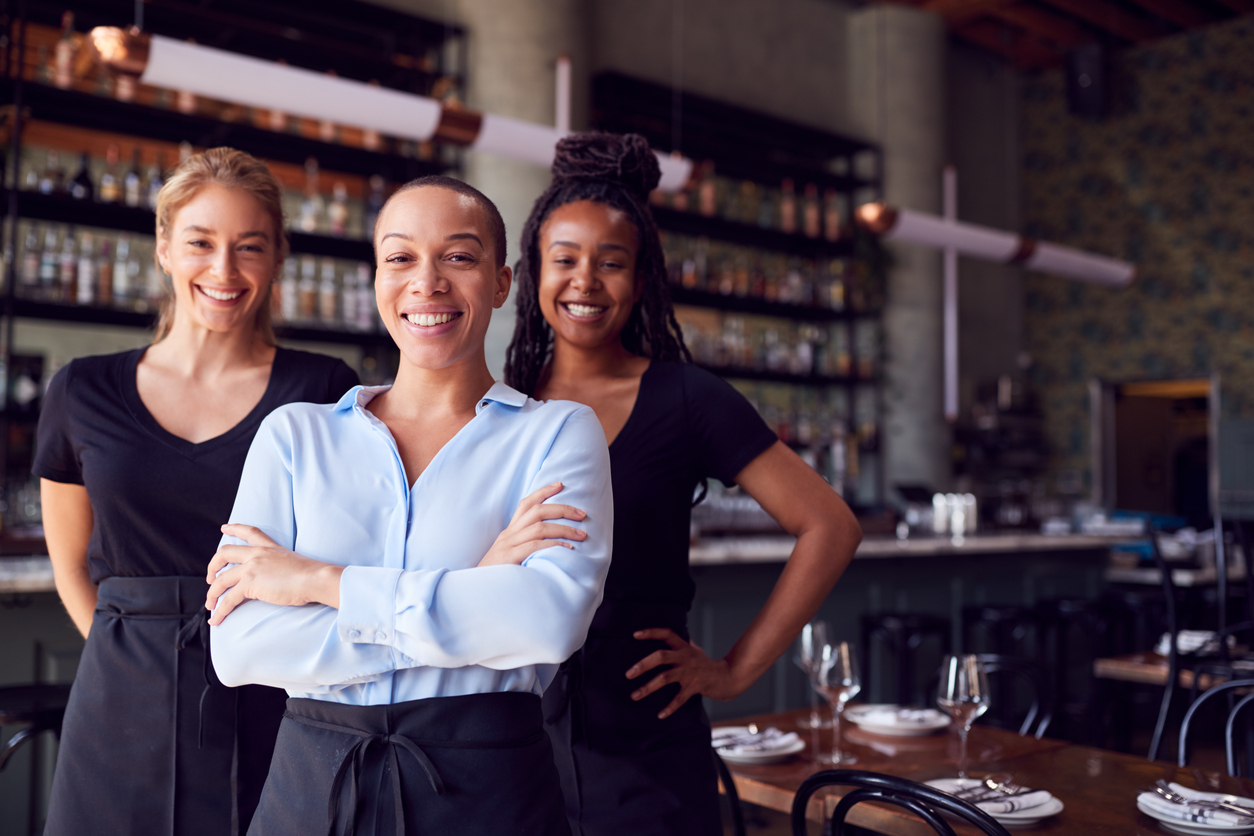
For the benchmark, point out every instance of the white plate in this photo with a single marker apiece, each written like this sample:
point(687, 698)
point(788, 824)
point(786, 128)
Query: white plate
point(856, 713)
point(749, 758)
point(1019, 818)
point(1197, 828)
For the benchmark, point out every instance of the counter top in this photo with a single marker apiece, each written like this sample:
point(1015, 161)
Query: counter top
point(34, 574)
point(776, 549)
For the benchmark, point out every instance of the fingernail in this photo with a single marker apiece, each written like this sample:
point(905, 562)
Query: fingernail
point(582, 513)
point(639, 634)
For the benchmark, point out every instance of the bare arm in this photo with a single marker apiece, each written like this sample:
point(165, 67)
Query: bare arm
point(68, 522)
point(827, 535)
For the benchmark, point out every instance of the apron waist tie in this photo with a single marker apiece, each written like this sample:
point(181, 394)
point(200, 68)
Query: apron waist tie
point(197, 627)
point(350, 770)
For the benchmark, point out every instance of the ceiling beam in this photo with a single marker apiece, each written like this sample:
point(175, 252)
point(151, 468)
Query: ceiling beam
point(1180, 12)
point(959, 12)
point(1022, 50)
point(1044, 24)
point(1110, 18)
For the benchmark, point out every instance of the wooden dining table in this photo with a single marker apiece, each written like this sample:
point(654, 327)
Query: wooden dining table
point(1098, 788)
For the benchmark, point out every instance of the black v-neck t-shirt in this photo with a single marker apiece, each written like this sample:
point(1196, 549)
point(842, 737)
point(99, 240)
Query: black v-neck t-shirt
point(158, 499)
point(687, 425)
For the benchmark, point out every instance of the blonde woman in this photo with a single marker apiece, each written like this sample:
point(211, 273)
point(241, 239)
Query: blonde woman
point(139, 457)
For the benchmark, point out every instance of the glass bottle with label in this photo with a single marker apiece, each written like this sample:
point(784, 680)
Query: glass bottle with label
point(66, 50)
point(366, 306)
point(156, 179)
point(86, 288)
point(289, 292)
point(337, 212)
point(328, 293)
point(348, 299)
point(787, 207)
point(812, 214)
point(831, 215)
point(49, 266)
point(81, 187)
point(30, 262)
point(307, 305)
point(104, 274)
point(52, 181)
point(110, 181)
point(374, 202)
point(132, 185)
point(121, 272)
point(68, 272)
point(311, 209)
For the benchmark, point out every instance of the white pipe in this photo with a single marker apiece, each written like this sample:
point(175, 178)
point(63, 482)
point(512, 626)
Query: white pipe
point(1078, 264)
point(949, 193)
point(967, 239)
point(238, 78)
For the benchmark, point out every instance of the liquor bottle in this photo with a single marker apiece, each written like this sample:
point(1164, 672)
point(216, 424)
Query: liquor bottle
point(30, 262)
point(831, 215)
point(132, 185)
point(52, 181)
point(787, 207)
point(328, 293)
point(374, 202)
point(122, 287)
point(311, 209)
point(86, 287)
point(81, 187)
point(337, 212)
point(812, 214)
point(63, 57)
point(276, 120)
point(49, 266)
point(155, 181)
point(707, 192)
point(68, 268)
point(307, 305)
point(367, 309)
point(43, 67)
point(348, 299)
point(125, 86)
point(289, 292)
point(110, 182)
point(104, 274)
point(836, 288)
point(185, 101)
point(33, 175)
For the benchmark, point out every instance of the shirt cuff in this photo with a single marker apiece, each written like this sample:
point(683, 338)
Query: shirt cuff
point(368, 605)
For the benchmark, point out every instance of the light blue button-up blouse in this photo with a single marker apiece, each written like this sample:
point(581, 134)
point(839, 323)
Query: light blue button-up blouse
point(418, 618)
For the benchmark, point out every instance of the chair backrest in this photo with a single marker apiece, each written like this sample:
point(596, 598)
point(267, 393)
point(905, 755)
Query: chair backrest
point(1011, 669)
point(1230, 726)
point(733, 797)
point(909, 795)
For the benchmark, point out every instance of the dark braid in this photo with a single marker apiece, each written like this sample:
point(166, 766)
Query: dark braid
point(618, 171)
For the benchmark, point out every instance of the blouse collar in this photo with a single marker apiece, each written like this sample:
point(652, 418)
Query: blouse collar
point(501, 393)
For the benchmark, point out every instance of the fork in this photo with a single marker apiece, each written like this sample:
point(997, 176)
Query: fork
point(1161, 787)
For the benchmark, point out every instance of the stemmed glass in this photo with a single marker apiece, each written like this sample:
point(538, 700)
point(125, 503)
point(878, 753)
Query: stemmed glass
point(838, 682)
point(808, 658)
point(963, 695)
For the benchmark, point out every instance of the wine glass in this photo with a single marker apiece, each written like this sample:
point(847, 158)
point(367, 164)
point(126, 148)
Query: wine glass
point(808, 658)
point(838, 682)
point(963, 695)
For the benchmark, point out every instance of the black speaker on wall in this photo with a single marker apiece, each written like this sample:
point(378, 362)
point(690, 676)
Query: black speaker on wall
point(1088, 82)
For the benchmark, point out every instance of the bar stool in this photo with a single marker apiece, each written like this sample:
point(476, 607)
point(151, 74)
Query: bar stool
point(1071, 632)
point(903, 634)
point(1004, 628)
point(38, 707)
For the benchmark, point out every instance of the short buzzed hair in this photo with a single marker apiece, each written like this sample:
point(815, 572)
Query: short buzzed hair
point(496, 224)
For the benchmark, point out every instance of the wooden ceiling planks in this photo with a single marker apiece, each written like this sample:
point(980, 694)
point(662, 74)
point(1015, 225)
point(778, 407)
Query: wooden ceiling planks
point(1020, 48)
point(1045, 24)
point(1182, 13)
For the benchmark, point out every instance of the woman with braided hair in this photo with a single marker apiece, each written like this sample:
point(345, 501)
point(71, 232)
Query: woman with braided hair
point(595, 325)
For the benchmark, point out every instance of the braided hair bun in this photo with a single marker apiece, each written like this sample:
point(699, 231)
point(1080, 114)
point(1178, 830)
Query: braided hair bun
point(622, 158)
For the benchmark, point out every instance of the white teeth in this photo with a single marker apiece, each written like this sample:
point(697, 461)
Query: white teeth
point(430, 319)
point(583, 310)
point(220, 295)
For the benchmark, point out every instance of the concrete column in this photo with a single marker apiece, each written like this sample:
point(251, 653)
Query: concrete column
point(897, 59)
point(512, 51)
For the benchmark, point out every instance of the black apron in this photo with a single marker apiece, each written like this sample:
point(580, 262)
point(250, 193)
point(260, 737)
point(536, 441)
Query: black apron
point(623, 770)
point(474, 765)
point(150, 744)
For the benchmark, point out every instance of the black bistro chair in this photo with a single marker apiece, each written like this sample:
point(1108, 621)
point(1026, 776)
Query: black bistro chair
point(1233, 764)
point(733, 797)
point(923, 801)
point(37, 707)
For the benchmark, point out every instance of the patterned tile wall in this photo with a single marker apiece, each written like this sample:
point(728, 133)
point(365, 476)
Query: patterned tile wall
point(1167, 182)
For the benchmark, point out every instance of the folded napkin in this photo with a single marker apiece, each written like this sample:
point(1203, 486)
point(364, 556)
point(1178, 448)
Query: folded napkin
point(1015, 803)
point(899, 717)
point(1191, 812)
point(763, 741)
point(1193, 643)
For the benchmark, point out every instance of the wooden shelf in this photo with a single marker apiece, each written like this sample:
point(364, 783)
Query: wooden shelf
point(55, 311)
point(85, 110)
point(748, 235)
point(681, 295)
point(768, 376)
point(66, 210)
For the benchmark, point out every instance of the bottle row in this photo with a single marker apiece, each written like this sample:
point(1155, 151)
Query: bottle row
point(56, 64)
point(786, 209)
point(732, 270)
point(768, 344)
point(136, 184)
point(809, 417)
point(83, 266)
